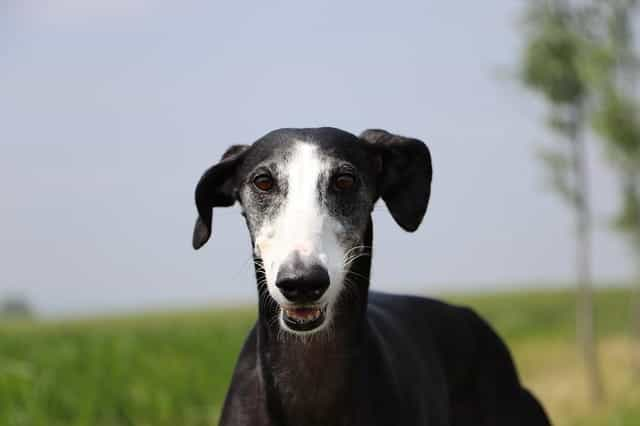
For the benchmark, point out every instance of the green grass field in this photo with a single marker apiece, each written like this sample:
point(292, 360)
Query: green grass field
point(174, 368)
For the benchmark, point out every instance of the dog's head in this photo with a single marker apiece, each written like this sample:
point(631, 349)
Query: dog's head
point(307, 196)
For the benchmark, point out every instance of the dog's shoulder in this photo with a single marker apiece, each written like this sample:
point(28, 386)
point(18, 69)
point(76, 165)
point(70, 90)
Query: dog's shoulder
point(479, 371)
point(456, 334)
point(449, 330)
point(438, 317)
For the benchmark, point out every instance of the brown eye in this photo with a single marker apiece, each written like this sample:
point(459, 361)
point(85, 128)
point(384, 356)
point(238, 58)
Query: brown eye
point(263, 182)
point(344, 182)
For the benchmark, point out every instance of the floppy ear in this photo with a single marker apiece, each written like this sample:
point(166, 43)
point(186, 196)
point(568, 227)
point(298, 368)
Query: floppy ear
point(405, 176)
point(216, 188)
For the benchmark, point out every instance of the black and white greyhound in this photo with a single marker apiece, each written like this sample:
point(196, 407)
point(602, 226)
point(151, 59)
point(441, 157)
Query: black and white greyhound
point(325, 350)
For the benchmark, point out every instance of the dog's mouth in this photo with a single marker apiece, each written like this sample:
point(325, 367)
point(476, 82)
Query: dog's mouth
point(304, 318)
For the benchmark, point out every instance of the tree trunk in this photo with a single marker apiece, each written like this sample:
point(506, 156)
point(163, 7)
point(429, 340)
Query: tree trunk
point(585, 320)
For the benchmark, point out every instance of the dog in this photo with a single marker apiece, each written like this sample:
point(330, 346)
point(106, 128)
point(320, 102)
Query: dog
point(325, 350)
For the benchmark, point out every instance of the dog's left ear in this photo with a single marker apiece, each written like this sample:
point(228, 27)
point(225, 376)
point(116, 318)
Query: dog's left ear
point(216, 188)
point(405, 176)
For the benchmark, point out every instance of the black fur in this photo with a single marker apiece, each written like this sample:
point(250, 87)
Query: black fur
point(216, 188)
point(387, 360)
point(406, 176)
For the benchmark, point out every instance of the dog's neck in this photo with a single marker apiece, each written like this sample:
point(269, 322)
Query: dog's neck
point(307, 378)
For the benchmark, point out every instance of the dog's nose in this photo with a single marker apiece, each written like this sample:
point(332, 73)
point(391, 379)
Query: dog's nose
point(300, 283)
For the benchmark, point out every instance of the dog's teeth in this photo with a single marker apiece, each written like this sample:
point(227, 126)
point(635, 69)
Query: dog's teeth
point(303, 315)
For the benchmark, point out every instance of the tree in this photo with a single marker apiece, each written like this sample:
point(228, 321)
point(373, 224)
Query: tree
point(553, 65)
point(617, 121)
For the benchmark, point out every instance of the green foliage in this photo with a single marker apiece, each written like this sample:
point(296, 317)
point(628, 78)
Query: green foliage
point(553, 64)
point(597, 63)
point(617, 112)
point(552, 56)
point(576, 53)
point(617, 121)
point(559, 174)
point(155, 370)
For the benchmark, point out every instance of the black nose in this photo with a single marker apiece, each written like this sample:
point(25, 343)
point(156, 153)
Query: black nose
point(300, 283)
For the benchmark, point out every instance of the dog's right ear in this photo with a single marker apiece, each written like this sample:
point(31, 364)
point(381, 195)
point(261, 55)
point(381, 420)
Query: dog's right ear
point(216, 188)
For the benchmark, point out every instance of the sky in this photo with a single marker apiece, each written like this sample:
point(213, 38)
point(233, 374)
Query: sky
point(110, 110)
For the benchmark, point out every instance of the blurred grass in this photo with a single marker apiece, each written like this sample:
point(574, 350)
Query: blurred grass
point(174, 368)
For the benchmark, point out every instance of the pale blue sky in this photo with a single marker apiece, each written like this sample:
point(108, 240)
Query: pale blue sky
point(111, 109)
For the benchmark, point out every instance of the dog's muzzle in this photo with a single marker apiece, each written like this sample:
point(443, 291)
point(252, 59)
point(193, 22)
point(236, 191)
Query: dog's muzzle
point(302, 284)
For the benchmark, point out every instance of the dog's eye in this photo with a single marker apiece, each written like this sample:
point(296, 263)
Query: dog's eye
point(344, 181)
point(263, 182)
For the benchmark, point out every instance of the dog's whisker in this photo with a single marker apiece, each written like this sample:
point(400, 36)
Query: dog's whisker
point(350, 252)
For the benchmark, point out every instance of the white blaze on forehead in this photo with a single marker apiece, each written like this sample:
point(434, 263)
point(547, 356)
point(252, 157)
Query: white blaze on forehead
point(303, 224)
point(302, 215)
